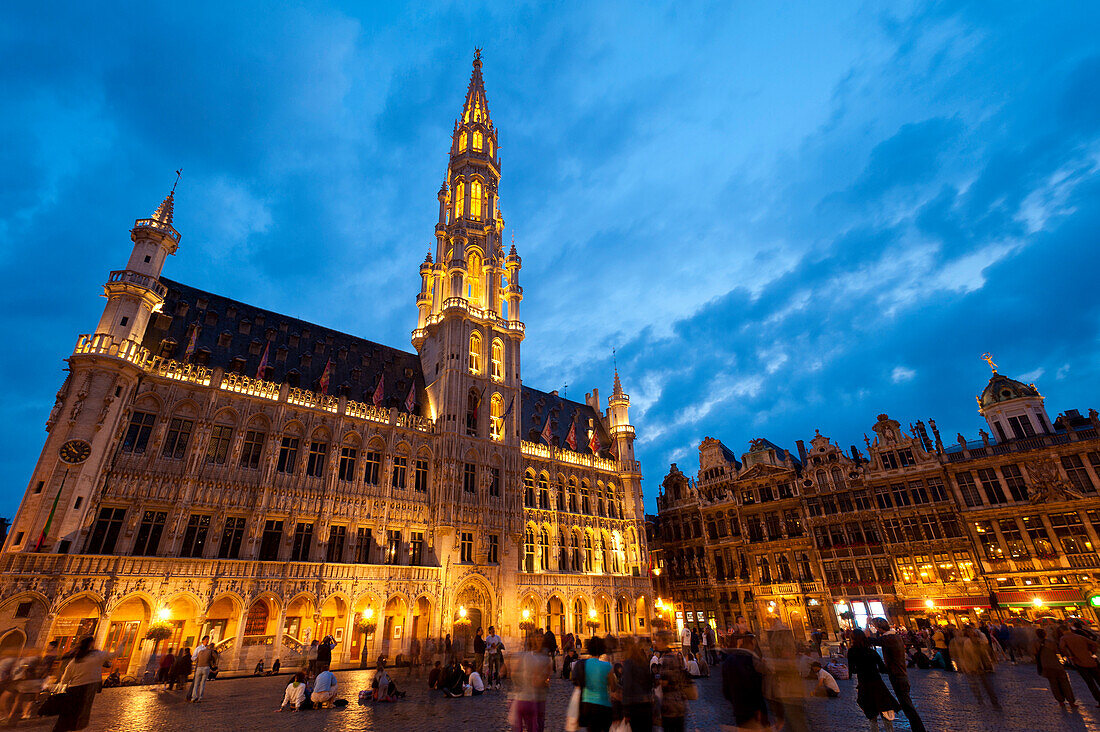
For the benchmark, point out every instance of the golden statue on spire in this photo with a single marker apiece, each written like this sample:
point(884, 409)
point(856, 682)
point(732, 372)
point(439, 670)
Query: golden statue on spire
point(988, 358)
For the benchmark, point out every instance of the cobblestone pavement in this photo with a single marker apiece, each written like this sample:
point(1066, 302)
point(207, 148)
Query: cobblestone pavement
point(944, 701)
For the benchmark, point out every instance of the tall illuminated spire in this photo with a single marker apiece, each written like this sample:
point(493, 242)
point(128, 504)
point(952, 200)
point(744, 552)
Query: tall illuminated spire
point(476, 108)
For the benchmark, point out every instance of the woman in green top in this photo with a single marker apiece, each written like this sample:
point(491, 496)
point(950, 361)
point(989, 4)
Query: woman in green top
point(598, 682)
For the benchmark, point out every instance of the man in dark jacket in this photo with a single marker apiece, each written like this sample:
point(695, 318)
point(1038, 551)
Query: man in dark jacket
point(893, 654)
point(550, 643)
point(743, 683)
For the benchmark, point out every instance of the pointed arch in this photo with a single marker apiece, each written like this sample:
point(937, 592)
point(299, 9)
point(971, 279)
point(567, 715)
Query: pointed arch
point(476, 193)
point(462, 141)
point(496, 417)
point(475, 352)
point(497, 360)
point(460, 199)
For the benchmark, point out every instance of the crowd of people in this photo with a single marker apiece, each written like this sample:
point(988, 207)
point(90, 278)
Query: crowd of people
point(636, 682)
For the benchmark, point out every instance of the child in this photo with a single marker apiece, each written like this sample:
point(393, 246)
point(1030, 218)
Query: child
point(826, 684)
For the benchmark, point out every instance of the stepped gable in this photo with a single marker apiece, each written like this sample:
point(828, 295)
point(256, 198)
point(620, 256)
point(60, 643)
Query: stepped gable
point(538, 404)
point(221, 343)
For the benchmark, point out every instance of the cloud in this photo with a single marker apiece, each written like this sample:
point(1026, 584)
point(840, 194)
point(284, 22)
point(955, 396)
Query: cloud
point(901, 374)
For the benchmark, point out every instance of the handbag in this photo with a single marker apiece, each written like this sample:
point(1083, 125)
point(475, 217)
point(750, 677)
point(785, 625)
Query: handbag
point(691, 691)
point(55, 704)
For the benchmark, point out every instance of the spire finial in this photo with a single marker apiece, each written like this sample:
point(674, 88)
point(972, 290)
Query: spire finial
point(179, 172)
point(617, 387)
point(988, 358)
point(164, 211)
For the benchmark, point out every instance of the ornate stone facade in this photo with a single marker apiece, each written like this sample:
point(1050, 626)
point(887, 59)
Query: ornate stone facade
point(914, 529)
point(230, 470)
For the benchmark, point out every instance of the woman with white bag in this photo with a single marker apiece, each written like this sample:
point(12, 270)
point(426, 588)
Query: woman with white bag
point(594, 683)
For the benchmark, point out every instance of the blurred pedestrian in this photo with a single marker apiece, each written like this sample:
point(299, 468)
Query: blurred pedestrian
point(181, 669)
point(1081, 650)
point(532, 680)
point(1049, 665)
point(743, 684)
point(674, 695)
point(598, 683)
point(637, 688)
point(971, 654)
point(893, 655)
point(81, 679)
point(479, 650)
point(872, 696)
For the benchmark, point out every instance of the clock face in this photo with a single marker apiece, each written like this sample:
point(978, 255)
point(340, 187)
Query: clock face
point(75, 451)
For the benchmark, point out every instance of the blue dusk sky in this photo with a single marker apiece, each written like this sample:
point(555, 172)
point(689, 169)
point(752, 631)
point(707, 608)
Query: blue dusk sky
point(783, 216)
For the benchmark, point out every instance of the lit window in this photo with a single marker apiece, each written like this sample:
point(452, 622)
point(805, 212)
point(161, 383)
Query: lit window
point(498, 360)
point(496, 422)
point(490, 147)
point(475, 353)
point(460, 195)
point(462, 141)
point(475, 198)
point(479, 140)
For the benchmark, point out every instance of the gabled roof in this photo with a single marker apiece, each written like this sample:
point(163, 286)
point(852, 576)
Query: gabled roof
point(297, 348)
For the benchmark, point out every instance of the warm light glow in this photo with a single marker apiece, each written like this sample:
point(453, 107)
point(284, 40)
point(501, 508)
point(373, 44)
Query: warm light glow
point(462, 611)
point(929, 604)
point(164, 613)
point(368, 613)
point(592, 613)
point(1037, 602)
point(478, 139)
point(460, 199)
point(462, 142)
point(656, 571)
point(475, 199)
point(526, 614)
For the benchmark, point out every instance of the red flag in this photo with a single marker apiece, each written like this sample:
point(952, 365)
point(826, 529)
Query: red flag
point(613, 448)
point(594, 443)
point(547, 435)
point(380, 390)
point(263, 362)
point(325, 375)
point(571, 439)
point(410, 400)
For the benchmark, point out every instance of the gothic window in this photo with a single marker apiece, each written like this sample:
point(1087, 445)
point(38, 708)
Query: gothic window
point(270, 541)
point(420, 477)
point(460, 196)
point(475, 353)
point(462, 140)
point(587, 552)
point(466, 547)
point(315, 467)
point(337, 536)
point(563, 552)
point(490, 148)
point(348, 457)
point(469, 478)
point(148, 535)
point(544, 492)
point(475, 198)
point(622, 616)
point(586, 501)
point(838, 480)
point(573, 495)
point(529, 490)
point(577, 565)
point(218, 448)
point(784, 568)
point(373, 460)
point(498, 360)
point(544, 551)
point(232, 536)
point(765, 571)
point(479, 140)
point(473, 292)
point(496, 414)
point(179, 433)
point(473, 401)
point(494, 481)
point(400, 467)
point(253, 448)
point(303, 542)
point(194, 538)
point(528, 550)
point(137, 434)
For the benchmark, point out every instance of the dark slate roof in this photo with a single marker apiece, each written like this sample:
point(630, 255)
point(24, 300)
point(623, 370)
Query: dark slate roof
point(356, 362)
point(538, 404)
point(782, 454)
point(728, 454)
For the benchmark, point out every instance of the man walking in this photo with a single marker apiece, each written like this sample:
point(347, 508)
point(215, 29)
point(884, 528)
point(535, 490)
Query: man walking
point(893, 654)
point(204, 657)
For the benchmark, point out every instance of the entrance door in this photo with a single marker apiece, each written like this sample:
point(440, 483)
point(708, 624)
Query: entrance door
point(121, 637)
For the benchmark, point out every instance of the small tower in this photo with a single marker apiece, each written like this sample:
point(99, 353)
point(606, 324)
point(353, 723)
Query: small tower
point(1012, 409)
point(135, 293)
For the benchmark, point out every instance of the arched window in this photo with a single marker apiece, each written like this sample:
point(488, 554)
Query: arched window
point(805, 573)
point(496, 414)
point(838, 479)
point(559, 493)
point(460, 199)
point(475, 199)
point(623, 616)
point(819, 478)
point(256, 622)
point(473, 403)
point(462, 142)
point(605, 613)
point(765, 571)
point(599, 500)
point(587, 552)
point(573, 495)
point(586, 501)
point(544, 492)
point(605, 552)
point(490, 149)
point(563, 552)
point(577, 564)
point(479, 140)
point(529, 490)
point(498, 360)
point(475, 353)
point(580, 616)
point(529, 550)
point(473, 269)
point(544, 551)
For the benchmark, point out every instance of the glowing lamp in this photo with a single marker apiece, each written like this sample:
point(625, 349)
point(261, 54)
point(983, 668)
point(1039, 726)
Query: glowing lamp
point(929, 604)
point(164, 613)
point(592, 613)
point(526, 614)
point(1037, 601)
point(462, 611)
point(368, 613)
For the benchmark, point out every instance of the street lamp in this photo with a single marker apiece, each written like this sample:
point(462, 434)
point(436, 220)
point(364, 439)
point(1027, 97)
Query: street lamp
point(929, 604)
point(164, 613)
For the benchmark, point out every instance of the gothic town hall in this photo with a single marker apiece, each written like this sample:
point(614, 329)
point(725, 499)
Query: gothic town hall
point(218, 468)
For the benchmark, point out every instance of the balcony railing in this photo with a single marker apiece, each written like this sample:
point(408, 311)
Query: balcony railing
point(546, 452)
point(136, 278)
point(166, 229)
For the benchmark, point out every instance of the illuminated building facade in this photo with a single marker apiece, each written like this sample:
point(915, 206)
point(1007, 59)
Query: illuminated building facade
point(915, 530)
point(221, 468)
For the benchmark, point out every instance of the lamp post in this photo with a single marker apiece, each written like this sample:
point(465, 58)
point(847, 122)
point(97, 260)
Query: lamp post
point(592, 622)
point(366, 626)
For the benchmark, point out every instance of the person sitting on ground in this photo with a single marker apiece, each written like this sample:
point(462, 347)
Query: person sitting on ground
point(435, 676)
point(704, 669)
point(919, 659)
point(274, 668)
point(475, 685)
point(324, 688)
point(693, 666)
point(837, 669)
point(295, 694)
point(259, 670)
point(454, 683)
point(826, 684)
point(383, 686)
